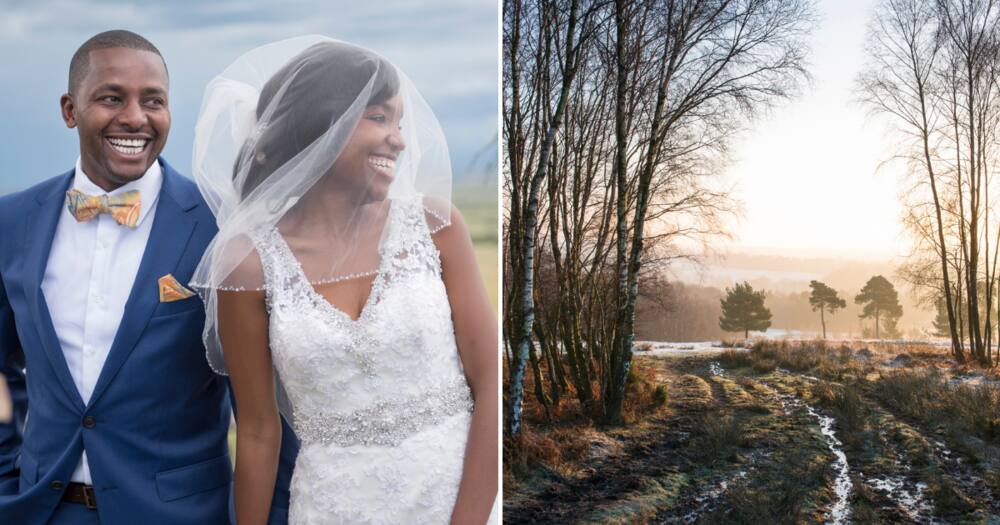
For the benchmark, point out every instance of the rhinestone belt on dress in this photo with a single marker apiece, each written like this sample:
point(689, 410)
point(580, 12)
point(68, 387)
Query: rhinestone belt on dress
point(386, 423)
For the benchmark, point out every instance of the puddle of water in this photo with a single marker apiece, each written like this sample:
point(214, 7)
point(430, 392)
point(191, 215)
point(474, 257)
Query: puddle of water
point(789, 372)
point(973, 380)
point(707, 499)
point(942, 448)
point(661, 349)
point(913, 502)
point(842, 484)
point(909, 497)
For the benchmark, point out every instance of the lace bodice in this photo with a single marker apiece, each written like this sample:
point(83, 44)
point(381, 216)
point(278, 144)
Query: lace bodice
point(380, 403)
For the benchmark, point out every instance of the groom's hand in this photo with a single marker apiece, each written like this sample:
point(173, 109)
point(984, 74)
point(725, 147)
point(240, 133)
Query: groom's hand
point(11, 366)
point(6, 405)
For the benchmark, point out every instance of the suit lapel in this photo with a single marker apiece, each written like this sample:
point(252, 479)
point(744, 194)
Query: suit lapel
point(40, 228)
point(168, 239)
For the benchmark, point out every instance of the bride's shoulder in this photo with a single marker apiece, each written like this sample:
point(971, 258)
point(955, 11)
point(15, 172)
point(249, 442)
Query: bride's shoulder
point(437, 213)
point(240, 264)
point(446, 225)
point(437, 218)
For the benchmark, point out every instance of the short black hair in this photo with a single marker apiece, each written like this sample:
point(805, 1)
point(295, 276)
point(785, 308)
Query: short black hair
point(80, 63)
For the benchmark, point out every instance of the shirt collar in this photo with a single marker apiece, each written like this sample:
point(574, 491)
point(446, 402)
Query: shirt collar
point(148, 185)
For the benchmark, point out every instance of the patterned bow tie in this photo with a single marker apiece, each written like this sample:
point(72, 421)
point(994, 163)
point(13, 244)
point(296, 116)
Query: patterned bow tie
point(123, 208)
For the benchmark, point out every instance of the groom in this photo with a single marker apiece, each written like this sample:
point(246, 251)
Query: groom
point(128, 424)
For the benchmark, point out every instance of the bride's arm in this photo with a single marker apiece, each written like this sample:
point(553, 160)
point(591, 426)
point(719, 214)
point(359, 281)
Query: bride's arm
point(243, 332)
point(476, 335)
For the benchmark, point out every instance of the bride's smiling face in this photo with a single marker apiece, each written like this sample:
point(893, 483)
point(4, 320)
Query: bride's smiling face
point(367, 164)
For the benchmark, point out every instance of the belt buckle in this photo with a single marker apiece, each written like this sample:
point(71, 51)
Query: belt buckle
point(88, 497)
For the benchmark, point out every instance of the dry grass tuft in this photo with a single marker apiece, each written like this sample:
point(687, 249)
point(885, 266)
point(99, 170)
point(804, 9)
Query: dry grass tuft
point(550, 449)
point(733, 359)
point(928, 397)
point(845, 402)
point(645, 394)
point(718, 437)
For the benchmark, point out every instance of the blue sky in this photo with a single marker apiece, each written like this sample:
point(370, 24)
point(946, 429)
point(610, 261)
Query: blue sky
point(447, 47)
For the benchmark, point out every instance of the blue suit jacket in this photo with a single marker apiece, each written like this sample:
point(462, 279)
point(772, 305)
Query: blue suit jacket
point(158, 417)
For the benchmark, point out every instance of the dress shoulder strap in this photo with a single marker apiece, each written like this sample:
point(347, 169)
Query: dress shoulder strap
point(283, 277)
point(408, 245)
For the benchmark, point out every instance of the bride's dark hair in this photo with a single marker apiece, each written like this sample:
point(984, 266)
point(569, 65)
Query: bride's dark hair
point(322, 83)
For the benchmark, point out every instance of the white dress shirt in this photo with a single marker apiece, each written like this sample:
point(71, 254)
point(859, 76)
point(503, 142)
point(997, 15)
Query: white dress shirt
point(88, 278)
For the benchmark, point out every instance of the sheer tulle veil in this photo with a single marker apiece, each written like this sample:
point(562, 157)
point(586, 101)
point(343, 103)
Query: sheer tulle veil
point(275, 148)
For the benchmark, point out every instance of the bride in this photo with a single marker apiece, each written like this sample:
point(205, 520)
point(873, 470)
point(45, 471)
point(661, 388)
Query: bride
point(342, 291)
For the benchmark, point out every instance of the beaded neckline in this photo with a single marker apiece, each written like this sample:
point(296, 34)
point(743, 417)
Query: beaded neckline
point(319, 299)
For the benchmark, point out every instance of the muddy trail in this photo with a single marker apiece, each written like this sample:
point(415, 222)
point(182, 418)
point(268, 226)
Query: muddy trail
point(743, 446)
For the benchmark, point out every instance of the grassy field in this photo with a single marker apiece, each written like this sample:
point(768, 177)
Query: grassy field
point(478, 205)
point(778, 433)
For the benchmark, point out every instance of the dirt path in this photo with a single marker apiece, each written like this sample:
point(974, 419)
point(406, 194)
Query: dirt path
point(680, 467)
point(738, 446)
point(647, 474)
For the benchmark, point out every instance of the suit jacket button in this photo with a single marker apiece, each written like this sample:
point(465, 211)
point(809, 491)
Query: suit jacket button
point(89, 422)
point(56, 485)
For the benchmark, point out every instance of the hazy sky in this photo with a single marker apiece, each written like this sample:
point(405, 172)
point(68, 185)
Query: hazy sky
point(447, 47)
point(808, 173)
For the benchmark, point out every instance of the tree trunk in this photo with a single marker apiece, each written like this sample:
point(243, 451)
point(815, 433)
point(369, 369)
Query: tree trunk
point(539, 390)
point(822, 321)
point(525, 305)
point(956, 342)
point(557, 384)
point(618, 362)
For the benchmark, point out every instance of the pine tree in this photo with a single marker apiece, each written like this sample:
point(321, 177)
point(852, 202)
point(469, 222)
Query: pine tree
point(941, 326)
point(743, 310)
point(880, 301)
point(890, 330)
point(824, 299)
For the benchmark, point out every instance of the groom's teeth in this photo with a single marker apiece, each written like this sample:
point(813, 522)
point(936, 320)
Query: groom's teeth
point(129, 143)
point(128, 146)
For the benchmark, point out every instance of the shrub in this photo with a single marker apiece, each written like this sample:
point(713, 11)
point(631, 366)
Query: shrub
point(948, 499)
point(977, 408)
point(718, 436)
point(644, 393)
point(764, 366)
point(550, 449)
point(847, 406)
point(928, 397)
point(735, 359)
point(914, 394)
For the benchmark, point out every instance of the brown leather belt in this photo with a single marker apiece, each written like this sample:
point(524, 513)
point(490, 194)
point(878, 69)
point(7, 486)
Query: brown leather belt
point(80, 493)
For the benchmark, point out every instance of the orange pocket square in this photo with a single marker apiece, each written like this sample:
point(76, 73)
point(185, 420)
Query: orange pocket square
point(171, 290)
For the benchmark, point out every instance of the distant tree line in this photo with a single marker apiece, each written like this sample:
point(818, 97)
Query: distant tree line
point(680, 312)
point(743, 308)
point(616, 119)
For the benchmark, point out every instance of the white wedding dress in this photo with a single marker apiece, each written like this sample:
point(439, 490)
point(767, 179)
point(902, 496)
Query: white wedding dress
point(380, 404)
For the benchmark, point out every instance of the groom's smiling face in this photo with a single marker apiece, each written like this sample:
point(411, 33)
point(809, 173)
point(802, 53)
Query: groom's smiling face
point(120, 109)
